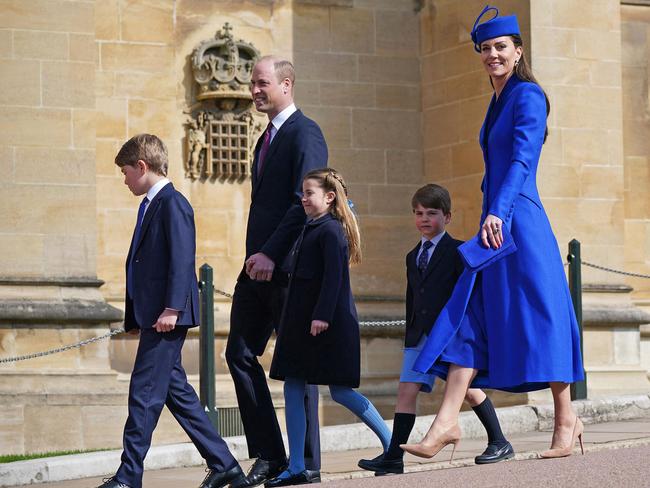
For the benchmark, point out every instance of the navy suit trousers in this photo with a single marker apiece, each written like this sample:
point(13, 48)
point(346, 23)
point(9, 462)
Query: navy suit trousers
point(158, 379)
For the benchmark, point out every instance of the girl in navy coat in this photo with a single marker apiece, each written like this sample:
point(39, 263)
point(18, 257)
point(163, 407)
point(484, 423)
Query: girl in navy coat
point(318, 338)
point(517, 329)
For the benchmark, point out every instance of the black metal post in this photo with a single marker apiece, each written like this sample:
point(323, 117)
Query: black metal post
point(579, 388)
point(207, 389)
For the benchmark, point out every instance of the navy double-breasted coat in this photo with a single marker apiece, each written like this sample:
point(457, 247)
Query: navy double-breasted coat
point(319, 289)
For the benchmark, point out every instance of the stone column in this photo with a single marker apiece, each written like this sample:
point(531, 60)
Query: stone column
point(49, 291)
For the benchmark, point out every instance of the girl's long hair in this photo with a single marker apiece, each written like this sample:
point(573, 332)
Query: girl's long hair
point(331, 180)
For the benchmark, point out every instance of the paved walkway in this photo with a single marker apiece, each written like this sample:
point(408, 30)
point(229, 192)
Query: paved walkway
point(617, 454)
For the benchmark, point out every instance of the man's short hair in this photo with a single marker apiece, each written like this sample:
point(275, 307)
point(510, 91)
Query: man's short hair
point(283, 68)
point(432, 196)
point(145, 147)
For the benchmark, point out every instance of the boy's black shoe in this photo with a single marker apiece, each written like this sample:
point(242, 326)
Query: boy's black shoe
point(495, 453)
point(263, 470)
point(112, 483)
point(383, 466)
point(303, 478)
point(219, 479)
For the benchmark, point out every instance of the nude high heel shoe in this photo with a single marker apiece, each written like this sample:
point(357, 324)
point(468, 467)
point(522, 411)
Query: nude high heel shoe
point(429, 448)
point(578, 430)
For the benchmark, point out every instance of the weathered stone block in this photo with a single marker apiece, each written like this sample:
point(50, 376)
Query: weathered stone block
point(467, 159)
point(334, 122)
point(404, 167)
point(360, 194)
point(145, 85)
point(148, 22)
point(212, 226)
point(307, 93)
point(6, 44)
point(83, 48)
point(397, 32)
point(11, 430)
point(352, 30)
point(49, 15)
point(311, 27)
point(68, 84)
point(99, 424)
point(20, 83)
point(46, 435)
point(107, 20)
point(19, 124)
point(40, 45)
point(326, 66)
point(601, 182)
point(359, 165)
point(553, 43)
point(437, 164)
point(405, 97)
point(152, 118)
point(389, 69)
point(111, 118)
point(558, 180)
point(375, 129)
point(51, 165)
point(601, 15)
point(136, 57)
point(22, 254)
point(442, 125)
point(391, 199)
point(598, 45)
point(560, 71)
point(347, 94)
point(83, 128)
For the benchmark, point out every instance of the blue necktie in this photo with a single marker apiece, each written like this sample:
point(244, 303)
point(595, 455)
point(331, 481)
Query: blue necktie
point(423, 260)
point(136, 237)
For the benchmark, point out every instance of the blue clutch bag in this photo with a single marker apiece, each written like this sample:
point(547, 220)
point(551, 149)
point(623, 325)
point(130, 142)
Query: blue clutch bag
point(476, 256)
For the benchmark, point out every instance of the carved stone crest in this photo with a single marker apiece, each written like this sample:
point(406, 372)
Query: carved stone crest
point(221, 130)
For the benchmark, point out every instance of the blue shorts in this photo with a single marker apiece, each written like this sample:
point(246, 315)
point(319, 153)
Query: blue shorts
point(408, 375)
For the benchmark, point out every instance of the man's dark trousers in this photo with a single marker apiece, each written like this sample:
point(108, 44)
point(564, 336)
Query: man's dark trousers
point(158, 379)
point(256, 310)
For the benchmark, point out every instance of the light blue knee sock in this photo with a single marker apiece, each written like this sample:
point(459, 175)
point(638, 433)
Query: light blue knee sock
point(294, 408)
point(362, 408)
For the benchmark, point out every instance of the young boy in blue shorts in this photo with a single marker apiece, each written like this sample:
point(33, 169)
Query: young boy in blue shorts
point(432, 269)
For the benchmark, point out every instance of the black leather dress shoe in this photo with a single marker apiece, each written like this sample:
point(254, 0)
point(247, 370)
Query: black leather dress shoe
point(112, 483)
point(382, 466)
point(262, 471)
point(303, 478)
point(495, 453)
point(218, 479)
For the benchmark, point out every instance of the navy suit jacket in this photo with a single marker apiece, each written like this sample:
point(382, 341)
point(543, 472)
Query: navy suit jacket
point(428, 292)
point(164, 274)
point(276, 216)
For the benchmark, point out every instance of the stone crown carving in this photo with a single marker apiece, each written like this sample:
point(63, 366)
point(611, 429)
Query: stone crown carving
point(222, 67)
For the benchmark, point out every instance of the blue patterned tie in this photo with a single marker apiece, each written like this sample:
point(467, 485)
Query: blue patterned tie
point(136, 237)
point(423, 260)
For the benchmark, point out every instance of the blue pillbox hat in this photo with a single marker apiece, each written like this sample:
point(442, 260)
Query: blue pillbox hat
point(495, 27)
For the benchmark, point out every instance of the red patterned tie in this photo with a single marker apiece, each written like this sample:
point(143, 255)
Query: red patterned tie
point(264, 149)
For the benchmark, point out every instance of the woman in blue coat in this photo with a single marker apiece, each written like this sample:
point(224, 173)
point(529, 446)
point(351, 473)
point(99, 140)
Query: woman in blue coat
point(510, 326)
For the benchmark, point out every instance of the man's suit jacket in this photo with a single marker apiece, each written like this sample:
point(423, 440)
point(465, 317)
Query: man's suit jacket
point(428, 292)
point(276, 215)
point(163, 264)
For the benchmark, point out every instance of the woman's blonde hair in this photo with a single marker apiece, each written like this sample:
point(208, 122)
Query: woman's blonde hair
point(331, 180)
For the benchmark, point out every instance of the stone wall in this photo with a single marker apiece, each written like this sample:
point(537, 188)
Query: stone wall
point(47, 139)
point(635, 55)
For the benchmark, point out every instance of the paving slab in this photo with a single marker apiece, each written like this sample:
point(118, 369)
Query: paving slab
point(632, 436)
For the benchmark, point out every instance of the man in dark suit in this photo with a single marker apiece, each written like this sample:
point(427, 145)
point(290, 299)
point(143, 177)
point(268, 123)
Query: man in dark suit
point(161, 304)
point(290, 146)
point(432, 270)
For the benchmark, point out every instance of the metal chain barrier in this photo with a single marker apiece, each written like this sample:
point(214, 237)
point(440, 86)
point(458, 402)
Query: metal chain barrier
point(62, 349)
point(366, 323)
point(617, 271)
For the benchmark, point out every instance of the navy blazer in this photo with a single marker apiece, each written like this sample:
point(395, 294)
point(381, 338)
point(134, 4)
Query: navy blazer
point(164, 274)
point(427, 293)
point(276, 215)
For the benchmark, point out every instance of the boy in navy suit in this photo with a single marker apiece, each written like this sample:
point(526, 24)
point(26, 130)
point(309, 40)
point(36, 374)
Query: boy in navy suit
point(161, 304)
point(432, 269)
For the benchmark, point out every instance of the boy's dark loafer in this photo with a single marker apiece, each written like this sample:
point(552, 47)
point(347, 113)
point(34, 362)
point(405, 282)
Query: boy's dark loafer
point(303, 478)
point(112, 483)
point(383, 466)
point(219, 479)
point(495, 453)
point(263, 470)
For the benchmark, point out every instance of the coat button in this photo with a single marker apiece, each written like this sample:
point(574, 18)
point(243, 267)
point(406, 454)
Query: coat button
point(137, 260)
